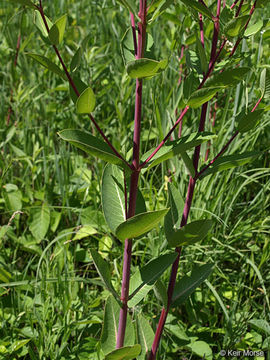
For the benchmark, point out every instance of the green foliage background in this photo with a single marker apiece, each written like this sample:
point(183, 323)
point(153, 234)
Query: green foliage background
point(50, 295)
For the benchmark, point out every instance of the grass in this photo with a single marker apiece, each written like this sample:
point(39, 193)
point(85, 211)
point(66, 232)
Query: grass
point(51, 299)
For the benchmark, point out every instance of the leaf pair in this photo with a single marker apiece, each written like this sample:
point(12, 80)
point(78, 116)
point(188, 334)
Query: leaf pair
point(113, 202)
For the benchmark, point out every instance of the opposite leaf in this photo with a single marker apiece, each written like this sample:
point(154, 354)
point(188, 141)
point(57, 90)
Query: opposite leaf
point(230, 77)
point(190, 233)
point(57, 31)
point(148, 275)
point(110, 327)
point(48, 64)
point(235, 26)
point(139, 224)
point(197, 6)
point(113, 196)
point(249, 121)
point(229, 162)
point(185, 287)
point(124, 353)
point(145, 335)
point(145, 68)
point(104, 272)
point(201, 96)
point(90, 145)
point(86, 102)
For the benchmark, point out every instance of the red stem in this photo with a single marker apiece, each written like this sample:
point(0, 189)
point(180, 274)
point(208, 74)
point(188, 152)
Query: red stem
point(233, 5)
point(201, 29)
point(133, 181)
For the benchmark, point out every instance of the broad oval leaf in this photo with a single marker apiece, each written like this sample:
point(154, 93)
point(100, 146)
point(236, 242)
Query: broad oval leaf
point(254, 28)
point(185, 287)
point(173, 148)
point(113, 196)
point(249, 121)
point(235, 26)
point(139, 224)
point(201, 96)
point(91, 145)
point(143, 68)
point(190, 233)
point(48, 64)
point(57, 31)
point(229, 77)
point(144, 279)
point(145, 335)
point(110, 327)
point(229, 162)
point(124, 353)
point(40, 221)
point(103, 270)
point(197, 6)
point(86, 102)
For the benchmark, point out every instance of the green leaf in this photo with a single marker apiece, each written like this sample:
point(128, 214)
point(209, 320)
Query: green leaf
point(124, 353)
point(13, 198)
point(113, 196)
point(5, 276)
point(143, 279)
point(249, 121)
point(188, 163)
point(229, 77)
point(261, 3)
point(261, 325)
point(48, 64)
point(110, 327)
point(40, 221)
point(173, 217)
point(229, 162)
point(90, 145)
point(186, 286)
point(129, 4)
point(254, 28)
point(139, 224)
point(41, 26)
point(192, 4)
point(24, 2)
point(190, 233)
point(57, 31)
point(145, 335)
point(173, 148)
point(202, 55)
point(18, 344)
point(201, 96)
point(143, 68)
point(235, 26)
point(86, 102)
point(76, 60)
point(265, 83)
point(201, 348)
point(160, 291)
point(162, 6)
point(103, 271)
point(190, 85)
